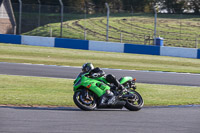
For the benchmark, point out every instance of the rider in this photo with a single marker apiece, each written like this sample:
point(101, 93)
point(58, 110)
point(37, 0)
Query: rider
point(97, 72)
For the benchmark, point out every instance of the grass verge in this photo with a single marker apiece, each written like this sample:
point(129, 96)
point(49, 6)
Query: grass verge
point(37, 91)
point(71, 57)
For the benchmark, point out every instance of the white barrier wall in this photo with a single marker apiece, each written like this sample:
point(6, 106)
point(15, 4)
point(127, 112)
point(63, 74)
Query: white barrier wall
point(38, 41)
point(178, 52)
point(106, 46)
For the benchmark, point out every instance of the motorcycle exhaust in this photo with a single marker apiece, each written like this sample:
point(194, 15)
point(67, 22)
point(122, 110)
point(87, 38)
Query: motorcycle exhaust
point(117, 105)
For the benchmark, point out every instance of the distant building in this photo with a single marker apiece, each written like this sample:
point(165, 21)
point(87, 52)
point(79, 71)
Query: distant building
point(7, 19)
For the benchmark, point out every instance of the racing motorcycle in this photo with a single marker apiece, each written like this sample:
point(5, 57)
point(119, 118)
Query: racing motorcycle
point(88, 93)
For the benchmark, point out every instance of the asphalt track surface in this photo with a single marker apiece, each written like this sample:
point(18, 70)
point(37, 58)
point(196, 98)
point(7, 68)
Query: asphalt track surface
point(169, 78)
point(171, 119)
point(73, 120)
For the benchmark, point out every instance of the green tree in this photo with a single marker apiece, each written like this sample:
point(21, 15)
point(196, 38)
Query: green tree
point(194, 5)
point(138, 5)
point(174, 6)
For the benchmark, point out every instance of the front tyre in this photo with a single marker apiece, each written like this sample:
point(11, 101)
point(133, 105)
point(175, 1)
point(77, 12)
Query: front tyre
point(85, 101)
point(136, 103)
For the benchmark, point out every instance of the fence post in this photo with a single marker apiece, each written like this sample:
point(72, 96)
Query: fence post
point(20, 15)
point(39, 13)
point(85, 32)
point(155, 24)
point(62, 9)
point(132, 23)
point(50, 31)
point(108, 13)
point(144, 39)
point(121, 36)
point(196, 42)
point(15, 30)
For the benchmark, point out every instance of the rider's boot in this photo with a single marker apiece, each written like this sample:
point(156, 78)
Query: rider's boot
point(111, 97)
point(103, 100)
point(121, 87)
point(111, 100)
point(108, 98)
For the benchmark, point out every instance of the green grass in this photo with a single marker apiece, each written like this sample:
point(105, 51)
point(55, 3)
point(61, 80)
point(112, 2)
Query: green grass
point(37, 91)
point(169, 94)
point(177, 30)
point(19, 90)
point(70, 57)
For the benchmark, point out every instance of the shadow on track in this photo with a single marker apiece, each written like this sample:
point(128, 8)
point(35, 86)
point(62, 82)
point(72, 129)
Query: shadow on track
point(43, 108)
point(58, 108)
point(77, 109)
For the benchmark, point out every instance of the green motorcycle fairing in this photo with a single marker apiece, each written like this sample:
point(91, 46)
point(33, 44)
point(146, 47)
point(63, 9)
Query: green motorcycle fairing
point(95, 85)
point(125, 79)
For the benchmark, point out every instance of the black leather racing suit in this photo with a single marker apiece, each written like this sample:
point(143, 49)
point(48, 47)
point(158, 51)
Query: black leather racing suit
point(97, 72)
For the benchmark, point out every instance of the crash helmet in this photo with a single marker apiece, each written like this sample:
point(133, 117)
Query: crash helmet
point(87, 67)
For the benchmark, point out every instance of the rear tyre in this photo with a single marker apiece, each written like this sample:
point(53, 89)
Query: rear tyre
point(87, 103)
point(136, 103)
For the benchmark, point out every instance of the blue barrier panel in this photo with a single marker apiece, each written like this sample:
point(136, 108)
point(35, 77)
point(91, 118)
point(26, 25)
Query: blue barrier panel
point(72, 43)
point(6, 38)
point(198, 54)
point(141, 49)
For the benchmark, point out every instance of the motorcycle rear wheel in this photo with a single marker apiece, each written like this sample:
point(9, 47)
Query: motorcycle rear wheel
point(83, 103)
point(136, 103)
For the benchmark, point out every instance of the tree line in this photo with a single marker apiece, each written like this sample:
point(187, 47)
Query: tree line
point(170, 6)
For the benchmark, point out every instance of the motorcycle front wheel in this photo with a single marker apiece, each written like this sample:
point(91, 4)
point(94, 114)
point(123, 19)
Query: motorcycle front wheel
point(136, 103)
point(85, 101)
